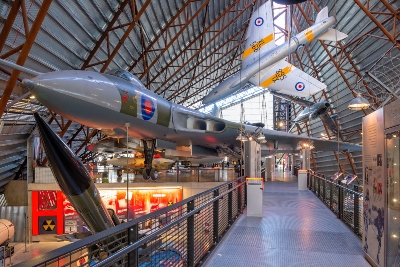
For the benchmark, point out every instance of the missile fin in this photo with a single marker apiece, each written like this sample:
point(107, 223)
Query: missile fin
point(332, 35)
point(323, 14)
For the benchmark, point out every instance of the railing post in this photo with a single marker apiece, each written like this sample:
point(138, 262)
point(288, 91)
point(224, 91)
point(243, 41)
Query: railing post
point(133, 236)
point(308, 180)
point(324, 188)
point(319, 187)
point(215, 217)
point(198, 174)
point(330, 195)
point(230, 204)
point(190, 235)
point(315, 185)
point(340, 201)
point(356, 211)
point(239, 198)
point(245, 192)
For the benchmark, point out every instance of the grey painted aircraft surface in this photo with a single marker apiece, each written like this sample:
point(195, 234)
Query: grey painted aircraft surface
point(263, 63)
point(109, 101)
point(311, 111)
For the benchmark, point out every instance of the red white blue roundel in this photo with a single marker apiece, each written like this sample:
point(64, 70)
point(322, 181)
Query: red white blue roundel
point(147, 108)
point(259, 21)
point(299, 86)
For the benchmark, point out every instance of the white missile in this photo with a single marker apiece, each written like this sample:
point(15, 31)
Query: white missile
point(263, 63)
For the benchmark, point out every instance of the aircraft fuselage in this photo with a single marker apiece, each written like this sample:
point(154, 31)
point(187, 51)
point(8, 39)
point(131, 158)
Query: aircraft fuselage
point(313, 111)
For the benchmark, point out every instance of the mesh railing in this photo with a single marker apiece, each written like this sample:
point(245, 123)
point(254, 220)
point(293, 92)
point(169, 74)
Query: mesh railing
point(345, 202)
point(162, 238)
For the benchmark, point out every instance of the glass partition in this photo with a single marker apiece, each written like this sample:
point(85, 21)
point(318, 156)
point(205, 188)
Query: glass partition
point(393, 200)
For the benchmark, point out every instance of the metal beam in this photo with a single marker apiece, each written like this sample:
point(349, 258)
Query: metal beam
point(377, 23)
point(105, 34)
point(194, 40)
point(7, 26)
point(155, 60)
point(171, 21)
point(126, 34)
point(237, 46)
point(24, 54)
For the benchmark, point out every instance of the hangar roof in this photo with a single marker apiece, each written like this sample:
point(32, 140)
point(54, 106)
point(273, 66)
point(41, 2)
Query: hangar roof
point(181, 50)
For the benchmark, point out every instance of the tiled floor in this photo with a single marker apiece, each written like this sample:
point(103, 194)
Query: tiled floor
point(296, 229)
point(32, 250)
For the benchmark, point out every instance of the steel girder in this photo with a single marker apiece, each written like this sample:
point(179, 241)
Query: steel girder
point(30, 38)
point(199, 50)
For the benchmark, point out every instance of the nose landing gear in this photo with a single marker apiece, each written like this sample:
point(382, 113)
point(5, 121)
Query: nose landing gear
point(149, 172)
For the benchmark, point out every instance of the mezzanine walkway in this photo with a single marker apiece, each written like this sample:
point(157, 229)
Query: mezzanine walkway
point(296, 229)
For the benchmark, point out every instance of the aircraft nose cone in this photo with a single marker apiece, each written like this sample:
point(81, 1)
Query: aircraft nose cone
point(327, 105)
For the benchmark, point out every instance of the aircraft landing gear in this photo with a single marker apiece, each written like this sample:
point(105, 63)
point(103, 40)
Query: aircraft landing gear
point(149, 172)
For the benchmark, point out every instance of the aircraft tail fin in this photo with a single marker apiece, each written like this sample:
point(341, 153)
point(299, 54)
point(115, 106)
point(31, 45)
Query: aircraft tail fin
point(332, 35)
point(260, 34)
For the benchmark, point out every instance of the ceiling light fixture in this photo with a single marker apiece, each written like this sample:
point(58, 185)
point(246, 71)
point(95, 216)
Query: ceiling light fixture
point(359, 103)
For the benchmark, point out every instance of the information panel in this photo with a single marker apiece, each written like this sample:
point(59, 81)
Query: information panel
point(374, 186)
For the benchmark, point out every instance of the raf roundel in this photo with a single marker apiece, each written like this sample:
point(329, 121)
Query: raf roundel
point(299, 86)
point(259, 21)
point(148, 108)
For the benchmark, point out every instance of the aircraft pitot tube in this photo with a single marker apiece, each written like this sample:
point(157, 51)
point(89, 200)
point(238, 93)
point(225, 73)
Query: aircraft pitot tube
point(74, 180)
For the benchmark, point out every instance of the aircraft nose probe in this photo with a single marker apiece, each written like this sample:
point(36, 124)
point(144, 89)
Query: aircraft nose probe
point(28, 83)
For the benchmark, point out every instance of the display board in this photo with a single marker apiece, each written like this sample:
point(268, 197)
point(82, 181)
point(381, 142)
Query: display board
point(374, 163)
point(47, 207)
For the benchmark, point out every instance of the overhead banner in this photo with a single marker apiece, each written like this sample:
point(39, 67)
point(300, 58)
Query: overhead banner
point(374, 164)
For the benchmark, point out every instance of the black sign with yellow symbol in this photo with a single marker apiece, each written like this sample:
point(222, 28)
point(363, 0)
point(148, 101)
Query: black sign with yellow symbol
point(170, 203)
point(47, 224)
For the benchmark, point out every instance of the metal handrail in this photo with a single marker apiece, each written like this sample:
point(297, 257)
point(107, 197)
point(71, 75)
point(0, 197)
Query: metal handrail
point(122, 252)
point(154, 233)
point(348, 212)
point(338, 185)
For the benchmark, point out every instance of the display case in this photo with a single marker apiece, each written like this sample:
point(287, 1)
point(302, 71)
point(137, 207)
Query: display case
point(393, 198)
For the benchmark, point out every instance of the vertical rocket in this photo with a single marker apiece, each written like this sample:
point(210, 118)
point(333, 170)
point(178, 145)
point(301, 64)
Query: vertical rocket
point(74, 180)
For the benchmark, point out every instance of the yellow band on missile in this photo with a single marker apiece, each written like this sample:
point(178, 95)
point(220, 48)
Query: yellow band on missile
point(274, 77)
point(257, 45)
point(309, 35)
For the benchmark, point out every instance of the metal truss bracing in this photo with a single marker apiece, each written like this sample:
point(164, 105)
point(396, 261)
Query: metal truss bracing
point(181, 49)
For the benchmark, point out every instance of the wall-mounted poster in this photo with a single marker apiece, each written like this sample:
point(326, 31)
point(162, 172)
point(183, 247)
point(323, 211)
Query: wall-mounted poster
point(374, 189)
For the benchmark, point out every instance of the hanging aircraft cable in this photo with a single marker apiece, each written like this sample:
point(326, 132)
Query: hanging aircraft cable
point(337, 87)
point(309, 145)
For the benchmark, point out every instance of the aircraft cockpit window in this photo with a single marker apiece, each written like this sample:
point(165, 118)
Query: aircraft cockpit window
point(126, 75)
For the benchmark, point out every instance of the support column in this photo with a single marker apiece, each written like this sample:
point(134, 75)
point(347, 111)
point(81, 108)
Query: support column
point(293, 158)
point(252, 159)
point(269, 167)
point(305, 153)
point(289, 163)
